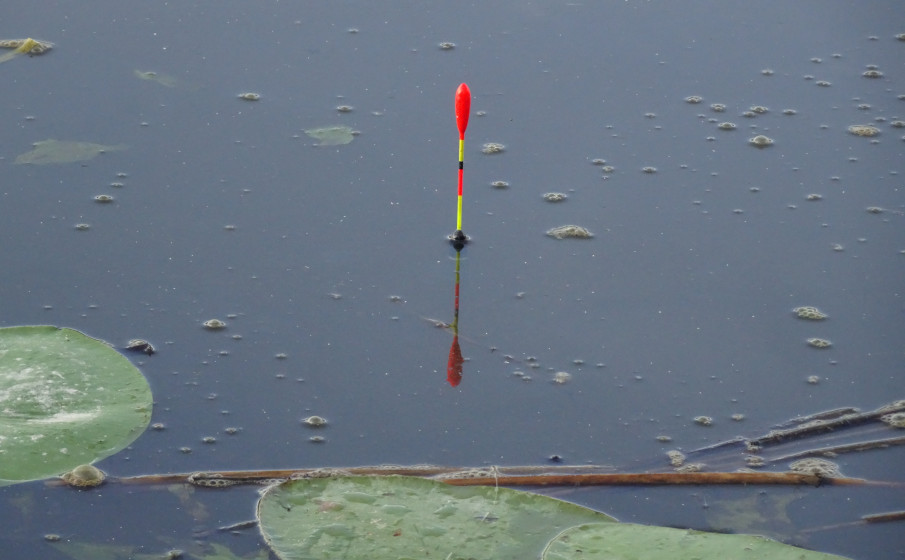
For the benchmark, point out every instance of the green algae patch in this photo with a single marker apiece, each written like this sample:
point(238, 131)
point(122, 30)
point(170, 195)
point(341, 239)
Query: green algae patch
point(56, 151)
point(67, 400)
point(27, 46)
point(332, 135)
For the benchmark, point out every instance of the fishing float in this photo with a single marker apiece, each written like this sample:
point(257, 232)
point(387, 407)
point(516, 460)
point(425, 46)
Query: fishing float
point(463, 108)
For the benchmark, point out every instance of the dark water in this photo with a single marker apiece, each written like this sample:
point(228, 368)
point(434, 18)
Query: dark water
point(679, 306)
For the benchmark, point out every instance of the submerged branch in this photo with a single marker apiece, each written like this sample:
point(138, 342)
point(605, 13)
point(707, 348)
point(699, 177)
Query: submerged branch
point(507, 476)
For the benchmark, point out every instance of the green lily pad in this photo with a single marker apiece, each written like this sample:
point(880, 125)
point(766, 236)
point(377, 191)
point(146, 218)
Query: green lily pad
point(56, 151)
point(66, 399)
point(360, 517)
point(331, 135)
point(626, 541)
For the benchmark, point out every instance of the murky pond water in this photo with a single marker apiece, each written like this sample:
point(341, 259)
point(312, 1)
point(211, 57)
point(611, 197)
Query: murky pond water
point(327, 263)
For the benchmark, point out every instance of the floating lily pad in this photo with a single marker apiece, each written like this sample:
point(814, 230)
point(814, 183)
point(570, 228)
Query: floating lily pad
point(405, 517)
point(624, 541)
point(331, 135)
point(66, 399)
point(56, 151)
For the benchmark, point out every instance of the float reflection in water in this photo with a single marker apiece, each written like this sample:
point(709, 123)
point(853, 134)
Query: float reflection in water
point(454, 365)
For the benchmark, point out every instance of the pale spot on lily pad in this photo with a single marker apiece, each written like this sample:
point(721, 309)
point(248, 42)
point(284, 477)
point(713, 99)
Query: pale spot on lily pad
point(57, 151)
point(331, 135)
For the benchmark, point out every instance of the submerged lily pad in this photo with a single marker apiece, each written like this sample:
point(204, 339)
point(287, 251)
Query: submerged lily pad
point(56, 151)
point(67, 400)
point(624, 541)
point(405, 517)
point(331, 135)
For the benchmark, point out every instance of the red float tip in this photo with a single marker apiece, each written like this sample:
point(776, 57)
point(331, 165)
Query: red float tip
point(463, 108)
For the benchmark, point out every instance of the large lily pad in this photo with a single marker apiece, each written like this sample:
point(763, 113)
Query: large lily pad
point(331, 135)
point(404, 517)
point(626, 541)
point(57, 151)
point(66, 399)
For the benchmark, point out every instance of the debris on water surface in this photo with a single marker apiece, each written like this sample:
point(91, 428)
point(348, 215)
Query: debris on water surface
point(759, 109)
point(896, 419)
point(872, 73)
point(84, 476)
point(500, 184)
point(694, 99)
point(649, 169)
point(663, 438)
point(864, 130)
point(163, 79)
point(813, 379)
point(214, 324)
point(140, 345)
point(761, 141)
point(703, 420)
point(103, 198)
point(814, 197)
point(315, 421)
point(27, 46)
point(569, 232)
point(754, 461)
point(34, 46)
point(331, 135)
point(250, 96)
point(446, 46)
point(493, 148)
point(738, 417)
point(317, 439)
point(809, 312)
point(345, 108)
point(820, 467)
point(554, 197)
point(819, 343)
point(82, 227)
point(726, 126)
point(57, 151)
point(676, 458)
point(562, 377)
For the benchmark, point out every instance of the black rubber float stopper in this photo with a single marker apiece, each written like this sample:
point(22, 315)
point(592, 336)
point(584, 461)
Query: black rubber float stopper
point(458, 239)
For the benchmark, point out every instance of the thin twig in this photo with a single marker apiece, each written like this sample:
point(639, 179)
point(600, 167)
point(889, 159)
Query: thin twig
point(808, 429)
point(836, 449)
